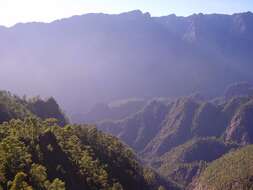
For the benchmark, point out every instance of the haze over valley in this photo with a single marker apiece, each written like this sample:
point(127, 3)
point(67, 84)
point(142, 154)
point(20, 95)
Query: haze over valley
point(126, 100)
point(103, 57)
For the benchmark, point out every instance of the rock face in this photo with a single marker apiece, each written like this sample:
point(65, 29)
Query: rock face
point(139, 129)
point(239, 89)
point(176, 129)
point(158, 128)
point(241, 126)
point(181, 138)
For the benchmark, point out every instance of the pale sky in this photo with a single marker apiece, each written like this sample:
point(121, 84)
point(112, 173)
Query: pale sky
point(14, 11)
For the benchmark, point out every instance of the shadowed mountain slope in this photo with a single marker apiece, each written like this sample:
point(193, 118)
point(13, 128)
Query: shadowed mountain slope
point(14, 107)
point(105, 57)
point(187, 135)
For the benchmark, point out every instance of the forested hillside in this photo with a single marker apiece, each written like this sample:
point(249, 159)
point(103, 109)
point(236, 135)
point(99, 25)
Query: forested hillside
point(14, 107)
point(232, 171)
point(40, 151)
point(41, 155)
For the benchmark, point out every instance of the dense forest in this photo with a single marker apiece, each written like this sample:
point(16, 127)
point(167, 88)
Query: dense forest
point(40, 150)
point(14, 107)
point(232, 171)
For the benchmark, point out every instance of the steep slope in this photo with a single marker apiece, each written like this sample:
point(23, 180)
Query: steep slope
point(215, 33)
point(14, 107)
point(138, 129)
point(189, 134)
point(186, 161)
point(41, 155)
point(47, 109)
point(209, 120)
point(113, 111)
point(182, 157)
point(37, 152)
point(105, 57)
point(177, 128)
point(158, 128)
point(233, 171)
point(231, 106)
point(240, 129)
point(239, 89)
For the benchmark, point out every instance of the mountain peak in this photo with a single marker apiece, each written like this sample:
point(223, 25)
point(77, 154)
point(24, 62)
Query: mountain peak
point(133, 12)
point(249, 13)
point(136, 14)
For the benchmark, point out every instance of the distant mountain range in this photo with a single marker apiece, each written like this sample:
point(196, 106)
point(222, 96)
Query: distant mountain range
point(94, 58)
point(112, 111)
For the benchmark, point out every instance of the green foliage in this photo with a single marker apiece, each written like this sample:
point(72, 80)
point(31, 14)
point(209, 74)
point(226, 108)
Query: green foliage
point(38, 175)
point(14, 107)
point(57, 185)
point(45, 109)
point(161, 188)
point(14, 156)
point(19, 182)
point(184, 162)
point(117, 186)
point(41, 155)
point(233, 171)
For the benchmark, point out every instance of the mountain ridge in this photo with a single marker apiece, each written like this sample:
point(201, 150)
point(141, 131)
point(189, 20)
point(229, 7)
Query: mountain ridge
point(190, 133)
point(121, 51)
point(136, 12)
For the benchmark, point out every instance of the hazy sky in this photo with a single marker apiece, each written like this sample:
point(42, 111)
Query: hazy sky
point(13, 11)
